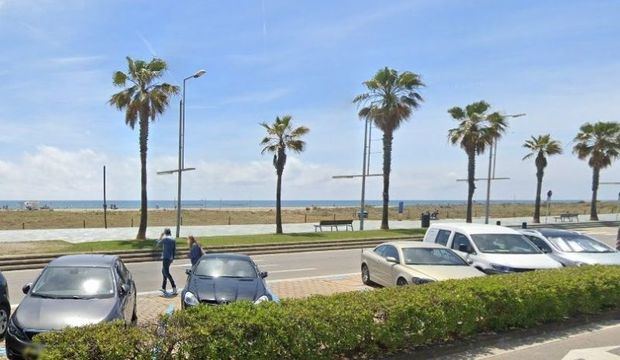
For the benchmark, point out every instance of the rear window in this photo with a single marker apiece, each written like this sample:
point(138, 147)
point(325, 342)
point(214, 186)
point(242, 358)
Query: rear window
point(442, 237)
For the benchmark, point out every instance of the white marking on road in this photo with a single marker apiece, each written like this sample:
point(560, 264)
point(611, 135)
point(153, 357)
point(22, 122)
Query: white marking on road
point(291, 270)
point(600, 353)
point(313, 277)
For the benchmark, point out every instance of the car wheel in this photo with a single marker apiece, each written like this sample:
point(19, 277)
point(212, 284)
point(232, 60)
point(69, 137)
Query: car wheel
point(5, 311)
point(366, 275)
point(401, 282)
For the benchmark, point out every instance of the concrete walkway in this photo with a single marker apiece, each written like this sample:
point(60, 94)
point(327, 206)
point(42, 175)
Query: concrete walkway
point(99, 234)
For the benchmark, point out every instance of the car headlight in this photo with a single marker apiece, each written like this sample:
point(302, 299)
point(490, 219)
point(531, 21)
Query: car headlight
point(420, 281)
point(502, 268)
point(16, 331)
point(261, 299)
point(190, 299)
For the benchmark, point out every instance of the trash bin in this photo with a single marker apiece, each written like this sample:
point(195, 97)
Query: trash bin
point(426, 220)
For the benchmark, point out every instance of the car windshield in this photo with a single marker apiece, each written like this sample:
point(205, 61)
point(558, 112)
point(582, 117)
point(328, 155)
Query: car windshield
point(225, 267)
point(504, 244)
point(74, 282)
point(431, 256)
point(579, 243)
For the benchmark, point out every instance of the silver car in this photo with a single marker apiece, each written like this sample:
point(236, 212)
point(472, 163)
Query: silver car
point(400, 263)
point(572, 248)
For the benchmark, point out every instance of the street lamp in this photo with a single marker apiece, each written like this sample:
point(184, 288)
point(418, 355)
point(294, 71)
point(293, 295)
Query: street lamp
point(491, 175)
point(181, 167)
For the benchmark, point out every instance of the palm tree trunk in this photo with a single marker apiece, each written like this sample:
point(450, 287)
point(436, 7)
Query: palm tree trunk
point(471, 174)
point(539, 179)
point(595, 178)
point(278, 203)
point(144, 136)
point(388, 137)
point(618, 239)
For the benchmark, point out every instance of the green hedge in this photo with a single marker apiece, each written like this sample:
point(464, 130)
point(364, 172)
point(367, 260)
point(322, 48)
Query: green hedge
point(352, 324)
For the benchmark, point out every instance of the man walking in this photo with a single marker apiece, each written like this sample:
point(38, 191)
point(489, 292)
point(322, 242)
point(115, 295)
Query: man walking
point(168, 245)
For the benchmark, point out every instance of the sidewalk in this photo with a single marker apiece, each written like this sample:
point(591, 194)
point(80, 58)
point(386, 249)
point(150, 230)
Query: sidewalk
point(95, 234)
point(152, 305)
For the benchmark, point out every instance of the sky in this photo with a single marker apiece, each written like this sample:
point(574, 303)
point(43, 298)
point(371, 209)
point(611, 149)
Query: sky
point(558, 62)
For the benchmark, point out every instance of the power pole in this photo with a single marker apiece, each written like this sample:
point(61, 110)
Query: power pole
point(105, 204)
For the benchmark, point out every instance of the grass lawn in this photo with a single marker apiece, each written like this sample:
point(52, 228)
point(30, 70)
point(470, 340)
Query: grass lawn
point(58, 246)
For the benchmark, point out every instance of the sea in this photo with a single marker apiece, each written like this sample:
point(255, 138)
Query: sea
point(225, 204)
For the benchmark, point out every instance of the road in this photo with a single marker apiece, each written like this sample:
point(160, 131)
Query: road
point(280, 267)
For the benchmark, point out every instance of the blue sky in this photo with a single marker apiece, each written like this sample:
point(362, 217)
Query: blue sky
point(557, 62)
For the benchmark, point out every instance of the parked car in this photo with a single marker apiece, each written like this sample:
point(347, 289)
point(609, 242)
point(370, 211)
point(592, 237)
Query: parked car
point(412, 262)
point(5, 306)
point(490, 248)
point(223, 278)
point(72, 290)
point(572, 248)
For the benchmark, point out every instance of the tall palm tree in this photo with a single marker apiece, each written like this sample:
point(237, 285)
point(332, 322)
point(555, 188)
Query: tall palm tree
point(282, 136)
point(476, 131)
point(142, 99)
point(600, 144)
point(541, 146)
point(389, 101)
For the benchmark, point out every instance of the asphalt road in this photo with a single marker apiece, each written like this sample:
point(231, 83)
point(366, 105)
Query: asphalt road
point(280, 267)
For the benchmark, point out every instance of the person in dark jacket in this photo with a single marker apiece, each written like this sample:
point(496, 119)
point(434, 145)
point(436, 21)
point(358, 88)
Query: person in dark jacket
point(169, 247)
point(195, 251)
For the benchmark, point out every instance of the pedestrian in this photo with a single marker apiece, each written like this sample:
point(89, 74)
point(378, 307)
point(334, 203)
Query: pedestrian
point(168, 245)
point(195, 251)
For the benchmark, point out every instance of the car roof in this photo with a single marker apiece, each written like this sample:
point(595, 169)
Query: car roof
point(474, 228)
point(86, 260)
point(413, 244)
point(556, 232)
point(226, 255)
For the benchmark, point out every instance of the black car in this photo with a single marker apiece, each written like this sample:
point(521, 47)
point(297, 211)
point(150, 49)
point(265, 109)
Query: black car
point(223, 278)
point(72, 290)
point(5, 306)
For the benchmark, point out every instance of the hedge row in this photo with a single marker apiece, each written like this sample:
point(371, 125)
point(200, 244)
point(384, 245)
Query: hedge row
point(358, 324)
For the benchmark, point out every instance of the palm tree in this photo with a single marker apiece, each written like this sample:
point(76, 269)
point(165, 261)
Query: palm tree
point(600, 144)
point(541, 146)
point(475, 132)
point(281, 136)
point(389, 101)
point(143, 100)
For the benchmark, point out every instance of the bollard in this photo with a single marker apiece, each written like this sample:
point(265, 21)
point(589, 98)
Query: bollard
point(228, 220)
point(305, 218)
point(498, 223)
point(524, 225)
point(84, 223)
point(131, 222)
point(334, 216)
point(23, 226)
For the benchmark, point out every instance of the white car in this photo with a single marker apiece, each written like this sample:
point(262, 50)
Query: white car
point(412, 262)
point(572, 248)
point(490, 248)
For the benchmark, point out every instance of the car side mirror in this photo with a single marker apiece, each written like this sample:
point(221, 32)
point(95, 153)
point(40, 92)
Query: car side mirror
point(546, 251)
point(391, 259)
point(464, 248)
point(264, 274)
point(188, 271)
point(469, 261)
point(125, 289)
point(26, 288)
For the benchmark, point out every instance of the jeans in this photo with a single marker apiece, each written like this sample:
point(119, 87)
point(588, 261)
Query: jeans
point(165, 270)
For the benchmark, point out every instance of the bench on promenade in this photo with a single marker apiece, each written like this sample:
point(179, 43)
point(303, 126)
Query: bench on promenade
point(348, 224)
point(567, 217)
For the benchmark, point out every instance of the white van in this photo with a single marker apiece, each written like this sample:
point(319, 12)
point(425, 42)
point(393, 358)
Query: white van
point(490, 248)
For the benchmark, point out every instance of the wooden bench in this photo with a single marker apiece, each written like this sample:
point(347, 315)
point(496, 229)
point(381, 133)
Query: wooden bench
point(348, 224)
point(567, 217)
